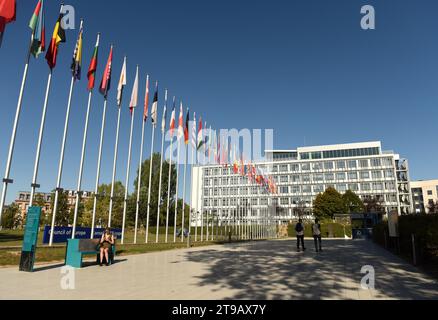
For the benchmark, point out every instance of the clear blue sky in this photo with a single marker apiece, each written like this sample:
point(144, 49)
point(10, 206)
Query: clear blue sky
point(304, 68)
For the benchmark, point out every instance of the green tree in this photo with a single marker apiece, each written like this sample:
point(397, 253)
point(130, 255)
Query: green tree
point(63, 216)
point(102, 207)
point(373, 205)
point(353, 203)
point(329, 203)
point(11, 218)
point(39, 201)
point(131, 206)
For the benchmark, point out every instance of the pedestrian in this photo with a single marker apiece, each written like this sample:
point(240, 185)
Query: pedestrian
point(316, 230)
point(299, 229)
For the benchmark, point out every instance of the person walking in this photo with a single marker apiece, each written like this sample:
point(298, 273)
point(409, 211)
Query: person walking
point(299, 229)
point(316, 230)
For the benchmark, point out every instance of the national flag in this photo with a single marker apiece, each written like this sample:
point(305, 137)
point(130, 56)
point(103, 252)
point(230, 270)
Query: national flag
point(206, 136)
point(146, 100)
point(91, 74)
point(122, 83)
point(180, 122)
point(193, 134)
point(210, 142)
point(7, 15)
point(163, 119)
point(186, 128)
point(200, 132)
point(134, 94)
point(172, 120)
point(37, 24)
point(105, 84)
point(154, 109)
point(76, 64)
point(57, 37)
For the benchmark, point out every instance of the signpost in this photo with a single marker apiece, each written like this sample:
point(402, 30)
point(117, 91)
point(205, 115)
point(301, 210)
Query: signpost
point(30, 239)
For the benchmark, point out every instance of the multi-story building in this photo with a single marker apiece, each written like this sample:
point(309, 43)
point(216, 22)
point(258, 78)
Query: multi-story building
point(23, 201)
point(302, 174)
point(424, 193)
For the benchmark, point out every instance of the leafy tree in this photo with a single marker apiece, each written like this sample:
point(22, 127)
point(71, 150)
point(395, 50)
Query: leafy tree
point(433, 207)
point(39, 201)
point(352, 202)
point(102, 207)
point(373, 205)
point(63, 216)
point(329, 203)
point(11, 218)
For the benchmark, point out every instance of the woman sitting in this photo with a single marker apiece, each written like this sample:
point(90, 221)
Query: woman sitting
point(106, 243)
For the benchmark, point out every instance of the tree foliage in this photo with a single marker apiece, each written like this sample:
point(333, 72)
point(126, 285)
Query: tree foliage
point(11, 218)
point(353, 203)
point(328, 204)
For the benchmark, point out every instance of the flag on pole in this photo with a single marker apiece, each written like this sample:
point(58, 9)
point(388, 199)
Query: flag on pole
point(172, 120)
point(122, 83)
point(206, 137)
point(105, 84)
point(200, 132)
point(76, 64)
point(37, 24)
point(7, 15)
point(186, 128)
point(134, 95)
point(154, 109)
point(209, 143)
point(163, 119)
point(193, 133)
point(91, 74)
point(146, 100)
point(180, 122)
point(57, 37)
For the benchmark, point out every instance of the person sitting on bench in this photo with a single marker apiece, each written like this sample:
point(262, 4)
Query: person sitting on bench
point(106, 243)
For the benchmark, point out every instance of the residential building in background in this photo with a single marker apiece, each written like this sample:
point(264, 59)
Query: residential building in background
point(424, 194)
point(300, 176)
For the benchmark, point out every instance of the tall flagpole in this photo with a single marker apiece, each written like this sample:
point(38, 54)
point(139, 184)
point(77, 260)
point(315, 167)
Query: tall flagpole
point(163, 129)
point(193, 140)
point(154, 112)
point(137, 206)
point(132, 106)
point(184, 179)
point(7, 179)
point(178, 141)
point(170, 169)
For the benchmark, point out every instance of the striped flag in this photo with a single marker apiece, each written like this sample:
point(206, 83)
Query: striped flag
point(193, 134)
point(200, 132)
point(180, 122)
point(7, 15)
point(91, 74)
point(134, 94)
point(122, 83)
point(186, 128)
point(57, 38)
point(154, 109)
point(76, 64)
point(105, 84)
point(172, 120)
point(146, 100)
point(163, 119)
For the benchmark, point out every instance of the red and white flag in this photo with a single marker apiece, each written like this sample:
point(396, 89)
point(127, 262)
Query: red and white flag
point(172, 120)
point(134, 95)
point(180, 122)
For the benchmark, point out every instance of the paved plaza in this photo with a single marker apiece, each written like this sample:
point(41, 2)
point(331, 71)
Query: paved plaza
point(256, 270)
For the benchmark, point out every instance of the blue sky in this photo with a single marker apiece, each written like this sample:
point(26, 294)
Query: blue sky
point(304, 68)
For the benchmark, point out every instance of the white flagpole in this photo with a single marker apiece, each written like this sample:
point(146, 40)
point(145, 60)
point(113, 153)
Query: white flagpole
point(184, 193)
point(7, 179)
point(116, 146)
point(137, 207)
point(128, 168)
point(169, 178)
point(193, 140)
point(194, 157)
point(163, 134)
point(99, 160)
point(176, 193)
point(81, 165)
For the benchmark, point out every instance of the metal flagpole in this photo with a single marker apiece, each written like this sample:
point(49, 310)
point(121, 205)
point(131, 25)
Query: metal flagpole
point(99, 159)
point(132, 106)
point(176, 192)
point(81, 165)
point(128, 168)
point(194, 144)
point(191, 191)
point(137, 206)
point(168, 189)
point(184, 192)
point(7, 179)
point(116, 146)
point(154, 113)
point(163, 134)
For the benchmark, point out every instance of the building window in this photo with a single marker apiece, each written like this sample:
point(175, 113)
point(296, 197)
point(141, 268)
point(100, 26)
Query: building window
point(318, 177)
point(363, 163)
point(376, 174)
point(307, 189)
point(364, 175)
point(284, 168)
point(284, 189)
point(340, 164)
point(376, 163)
point(341, 188)
point(365, 186)
point(353, 187)
point(296, 189)
point(340, 176)
point(429, 192)
point(328, 165)
point(389, 173)
point(352, 175)
point(284, 179)
point(284, 201)
point(316, 155)
point(317, 166)
point(306, 178)
point(318, 188)
point(296, 178)
point(378, 186)
point(295, 167)
point(305, 156)
point(305, 167)
point(329, 177)
point(352, 164)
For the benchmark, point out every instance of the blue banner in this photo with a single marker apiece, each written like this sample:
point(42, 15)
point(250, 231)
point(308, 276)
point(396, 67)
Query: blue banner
point(61, 234)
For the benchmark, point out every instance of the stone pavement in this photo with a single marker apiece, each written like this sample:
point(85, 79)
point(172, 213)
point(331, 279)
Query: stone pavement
point(257, 270)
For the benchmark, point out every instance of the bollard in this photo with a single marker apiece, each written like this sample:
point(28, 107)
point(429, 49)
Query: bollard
point(414, 254)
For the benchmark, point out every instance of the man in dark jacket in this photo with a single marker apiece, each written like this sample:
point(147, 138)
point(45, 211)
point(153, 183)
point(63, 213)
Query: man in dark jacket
point(299, 230)
point(316, 231)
